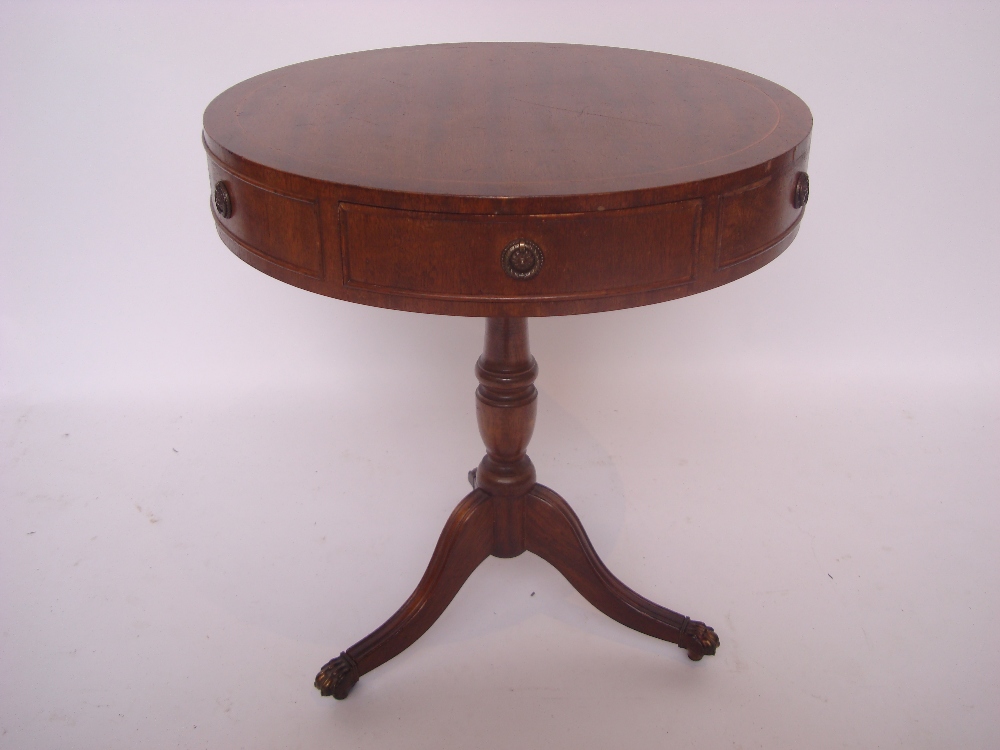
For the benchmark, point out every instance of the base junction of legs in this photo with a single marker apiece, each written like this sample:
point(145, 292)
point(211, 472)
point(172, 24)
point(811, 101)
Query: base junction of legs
point(508, 513)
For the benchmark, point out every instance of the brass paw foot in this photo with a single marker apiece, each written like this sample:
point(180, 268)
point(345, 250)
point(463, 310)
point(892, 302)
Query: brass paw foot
point(338, 676)
point(698, 638)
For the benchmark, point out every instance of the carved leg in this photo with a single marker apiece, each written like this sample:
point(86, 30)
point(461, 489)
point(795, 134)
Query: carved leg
point(505, 514)
point(466, 541)
point(553, 532)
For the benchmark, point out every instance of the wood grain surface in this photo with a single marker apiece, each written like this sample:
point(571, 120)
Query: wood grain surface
point(397, 177)
point(506, 514)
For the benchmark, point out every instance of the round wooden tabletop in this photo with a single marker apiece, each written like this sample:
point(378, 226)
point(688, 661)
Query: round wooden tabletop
point(502, 179)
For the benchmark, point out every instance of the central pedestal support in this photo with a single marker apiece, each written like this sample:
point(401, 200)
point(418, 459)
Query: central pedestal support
point(506, 513)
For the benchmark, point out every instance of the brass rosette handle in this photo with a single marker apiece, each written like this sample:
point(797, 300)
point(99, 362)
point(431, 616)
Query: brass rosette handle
point(223, 202)
point(800, 196)
point(522, 259)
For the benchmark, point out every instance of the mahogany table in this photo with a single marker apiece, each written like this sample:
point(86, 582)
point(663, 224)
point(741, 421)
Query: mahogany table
point(507, 181)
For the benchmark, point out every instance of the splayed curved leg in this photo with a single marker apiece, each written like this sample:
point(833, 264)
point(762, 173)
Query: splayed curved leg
point(466, 541)
point(553, 532)
point(505, 514)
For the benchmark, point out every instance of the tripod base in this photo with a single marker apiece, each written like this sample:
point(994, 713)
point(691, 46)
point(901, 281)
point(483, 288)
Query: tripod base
point(507, 513)
point(482, 525)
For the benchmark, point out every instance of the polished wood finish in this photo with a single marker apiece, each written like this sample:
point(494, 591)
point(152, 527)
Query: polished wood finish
point(466, 541)
point(554, 533)
point(397, 177)
point(505, 408)
point(507, 180)
point(507, 513)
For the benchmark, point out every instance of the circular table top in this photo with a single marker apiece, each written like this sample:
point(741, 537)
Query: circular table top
point(400, 177)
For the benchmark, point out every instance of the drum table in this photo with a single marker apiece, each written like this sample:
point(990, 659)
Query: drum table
point(507, 181)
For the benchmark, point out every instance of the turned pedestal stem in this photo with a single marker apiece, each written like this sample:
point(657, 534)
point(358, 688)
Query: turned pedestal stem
point(506, 513)
point(506, 404)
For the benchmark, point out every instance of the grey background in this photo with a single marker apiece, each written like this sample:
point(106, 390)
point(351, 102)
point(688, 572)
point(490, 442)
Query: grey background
point(212, 482)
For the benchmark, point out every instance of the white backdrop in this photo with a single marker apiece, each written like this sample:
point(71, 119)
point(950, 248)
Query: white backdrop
point(213, 482)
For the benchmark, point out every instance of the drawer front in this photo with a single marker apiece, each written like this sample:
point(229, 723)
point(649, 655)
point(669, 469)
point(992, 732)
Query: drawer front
point(282, 229)
point(755, 217)
point(458, 256)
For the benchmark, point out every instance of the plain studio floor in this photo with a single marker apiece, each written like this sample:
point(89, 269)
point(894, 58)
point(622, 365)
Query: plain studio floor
point(171, 588)
point(211, 482)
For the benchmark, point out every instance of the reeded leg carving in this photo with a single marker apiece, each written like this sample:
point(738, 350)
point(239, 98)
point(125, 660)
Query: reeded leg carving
point(466, 541)
point(505, 514)
point(553, 532)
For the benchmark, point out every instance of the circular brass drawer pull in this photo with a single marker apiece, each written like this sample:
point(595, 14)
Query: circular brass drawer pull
point(801, 194)
point(223, 203)
point(522, 259)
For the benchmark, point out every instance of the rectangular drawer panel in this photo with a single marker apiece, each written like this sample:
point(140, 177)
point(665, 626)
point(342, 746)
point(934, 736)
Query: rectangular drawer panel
point(754, 218)
point(281, 228)
point(458, 255)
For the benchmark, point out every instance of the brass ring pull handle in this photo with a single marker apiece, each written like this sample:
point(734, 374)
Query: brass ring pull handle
point(522, 259)
point(801, 195)
point(223, 203)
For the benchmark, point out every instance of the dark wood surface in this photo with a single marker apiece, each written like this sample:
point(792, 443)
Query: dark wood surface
point(506, 514)
point(507, 181)
point(398, 177)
